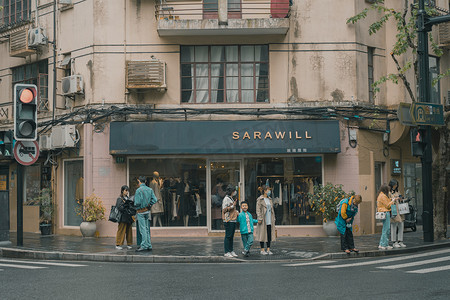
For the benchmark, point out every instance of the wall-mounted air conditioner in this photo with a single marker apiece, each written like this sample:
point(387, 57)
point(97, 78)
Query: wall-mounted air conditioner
point(18, 43)
point(72, 85)
point(148, 74)
point(65, 2)
point(45, 142)
point(64, 136)
point(37, 37)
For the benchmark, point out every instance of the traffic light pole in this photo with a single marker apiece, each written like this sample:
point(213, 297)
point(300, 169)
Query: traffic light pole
point(424, 25)
point(19, 185)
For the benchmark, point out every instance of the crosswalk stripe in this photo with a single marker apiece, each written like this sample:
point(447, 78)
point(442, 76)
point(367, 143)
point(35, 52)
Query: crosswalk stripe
point(310, 263)
point(416, 263)
point(21, 267)
point(42, 263)
point(381, 261)
point(429, 270)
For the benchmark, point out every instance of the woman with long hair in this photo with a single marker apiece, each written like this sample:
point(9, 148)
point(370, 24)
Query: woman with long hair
point(125, 206)
point(384, 205)
point(265, 232)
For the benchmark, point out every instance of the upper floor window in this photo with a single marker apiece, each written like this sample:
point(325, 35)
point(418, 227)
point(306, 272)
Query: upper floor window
point(434, 73)
point(225, 74)
point(370, 52)
point(35, 73)
point(14, 11)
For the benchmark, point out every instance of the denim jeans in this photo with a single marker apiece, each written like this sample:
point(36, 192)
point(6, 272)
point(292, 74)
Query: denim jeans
point(230, 227)
point(384, 240)
point(144, 231)
point(247, 240)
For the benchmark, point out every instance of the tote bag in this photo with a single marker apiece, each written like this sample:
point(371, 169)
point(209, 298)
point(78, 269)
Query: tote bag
point(115, 214)
point(403, 208)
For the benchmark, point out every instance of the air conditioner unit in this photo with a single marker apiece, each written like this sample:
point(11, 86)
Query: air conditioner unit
point(148, 74)
point(37, 37)
point(65, 2)
point(18, 43)
point(45, 142)
point(64, 136)
point(72, 85)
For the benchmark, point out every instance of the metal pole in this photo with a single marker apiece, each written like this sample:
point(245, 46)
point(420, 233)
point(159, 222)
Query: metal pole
point(424, 96)
point(54, 60)
point(19, 205)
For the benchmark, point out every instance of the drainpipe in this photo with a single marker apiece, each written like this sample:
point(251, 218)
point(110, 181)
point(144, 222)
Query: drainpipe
point(54, 60)
point(36, 16)
point(223, 12)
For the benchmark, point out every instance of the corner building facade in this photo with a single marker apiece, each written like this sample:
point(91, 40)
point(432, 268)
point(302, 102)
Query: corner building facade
point(266, 92)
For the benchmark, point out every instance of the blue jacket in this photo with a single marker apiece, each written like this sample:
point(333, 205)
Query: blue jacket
point(243, 222)
point(144, 197)
point(346, 210)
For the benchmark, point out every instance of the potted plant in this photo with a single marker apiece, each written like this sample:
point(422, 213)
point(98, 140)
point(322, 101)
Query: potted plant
point(46, 210)
point(324, 201)
point(91, 210)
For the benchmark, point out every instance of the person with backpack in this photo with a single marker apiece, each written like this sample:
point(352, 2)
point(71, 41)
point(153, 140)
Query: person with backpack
point(347, 210)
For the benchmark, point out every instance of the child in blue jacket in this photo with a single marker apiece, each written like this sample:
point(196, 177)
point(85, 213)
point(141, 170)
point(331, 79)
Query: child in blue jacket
point(246, 222)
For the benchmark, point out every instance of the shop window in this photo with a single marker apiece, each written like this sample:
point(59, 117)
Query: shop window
point(73, 191)
point(32, 183)
point(182, 189)
point(225, 74)
point(14, 11)
point(291, 179)
point(35, 73)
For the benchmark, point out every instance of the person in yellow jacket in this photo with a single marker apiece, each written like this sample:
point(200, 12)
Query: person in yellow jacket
point(384, 205)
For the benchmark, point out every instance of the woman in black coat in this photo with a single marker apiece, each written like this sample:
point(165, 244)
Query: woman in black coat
point(125, 206)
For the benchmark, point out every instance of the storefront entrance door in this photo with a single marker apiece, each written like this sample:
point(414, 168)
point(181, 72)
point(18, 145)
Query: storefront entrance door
point(223, 173)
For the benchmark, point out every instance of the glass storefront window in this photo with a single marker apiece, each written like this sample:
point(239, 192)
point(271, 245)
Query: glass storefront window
point(32, 183)
point(182, 189)
point(291, 179)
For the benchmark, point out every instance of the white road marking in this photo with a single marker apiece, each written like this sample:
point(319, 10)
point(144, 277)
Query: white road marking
point(319, 262)
point(21, 267)
point(416, 263)
point(388, 260)
point(429, 270)
point(42, 263)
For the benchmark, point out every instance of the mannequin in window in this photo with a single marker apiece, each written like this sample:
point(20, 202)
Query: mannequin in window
point(157, 208)
point(185, 205)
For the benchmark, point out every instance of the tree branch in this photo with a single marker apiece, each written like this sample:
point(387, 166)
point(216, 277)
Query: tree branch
point(403, 77)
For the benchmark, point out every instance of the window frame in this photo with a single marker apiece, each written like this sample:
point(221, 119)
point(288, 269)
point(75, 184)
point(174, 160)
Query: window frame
point(12, 13)
point(224, 63)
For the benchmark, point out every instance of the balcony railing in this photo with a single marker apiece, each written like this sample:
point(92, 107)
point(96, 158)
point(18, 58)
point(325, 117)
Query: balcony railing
point(208, 9)
point(205, 17)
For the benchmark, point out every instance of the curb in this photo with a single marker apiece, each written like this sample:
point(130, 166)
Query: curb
point(378, 253)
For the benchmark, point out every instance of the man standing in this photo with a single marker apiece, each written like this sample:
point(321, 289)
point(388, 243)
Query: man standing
point(144, 198)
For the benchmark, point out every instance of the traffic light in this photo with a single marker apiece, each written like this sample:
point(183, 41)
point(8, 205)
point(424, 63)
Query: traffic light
point(6, 143)
point(417, 141)
point(25, 112)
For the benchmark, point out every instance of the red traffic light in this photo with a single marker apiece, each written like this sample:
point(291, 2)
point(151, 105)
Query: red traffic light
point(27, 95)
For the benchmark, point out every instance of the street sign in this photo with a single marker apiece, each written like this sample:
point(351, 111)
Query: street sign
point(26, 152)
point(427, 114)
point(404, 114)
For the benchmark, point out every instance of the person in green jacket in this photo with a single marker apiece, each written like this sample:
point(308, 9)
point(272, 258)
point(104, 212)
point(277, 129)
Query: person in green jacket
point(246, 222)
point(144, 198)
point(348, 208)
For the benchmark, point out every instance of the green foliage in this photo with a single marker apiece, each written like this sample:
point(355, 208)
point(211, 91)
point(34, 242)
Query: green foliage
point(46, 207)
point(406, 37)
point(325, 199)
point(91, 209)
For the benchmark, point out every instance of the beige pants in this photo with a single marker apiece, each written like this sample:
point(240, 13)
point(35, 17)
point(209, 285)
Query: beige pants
point(122, 230)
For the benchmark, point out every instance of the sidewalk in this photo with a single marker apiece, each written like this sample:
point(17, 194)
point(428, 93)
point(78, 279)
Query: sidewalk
point(204, 249)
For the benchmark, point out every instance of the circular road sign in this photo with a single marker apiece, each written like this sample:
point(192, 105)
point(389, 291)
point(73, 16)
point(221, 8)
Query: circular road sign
point(26, 152)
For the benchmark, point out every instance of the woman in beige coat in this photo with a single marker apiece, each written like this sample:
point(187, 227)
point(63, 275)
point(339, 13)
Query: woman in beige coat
point(265, 232)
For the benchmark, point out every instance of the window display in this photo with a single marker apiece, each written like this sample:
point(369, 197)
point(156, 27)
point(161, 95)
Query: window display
point(180, 187)
point(291, 179)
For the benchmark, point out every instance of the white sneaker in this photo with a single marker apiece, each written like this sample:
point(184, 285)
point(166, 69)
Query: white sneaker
point(402, 245)
point(270, 252)
point(233, 254)
point(228, 254)
point(381, 248)
point(129, 247)
point(396, 245)
point(264, 252)
point(389, 248)
point(119, 248)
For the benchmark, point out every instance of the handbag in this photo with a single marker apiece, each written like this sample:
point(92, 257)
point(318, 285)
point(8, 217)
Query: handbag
point(380, 215)
point(393, 210)
point(403, 208)
point(115, 214)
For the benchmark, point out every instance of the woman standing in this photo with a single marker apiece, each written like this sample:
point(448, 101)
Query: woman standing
point(384, 205)
point(125, 206)
point(229, 216)
point(265, 232)
point(397, 225)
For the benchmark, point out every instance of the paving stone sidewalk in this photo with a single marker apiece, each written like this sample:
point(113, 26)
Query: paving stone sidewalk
point(204, 249)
